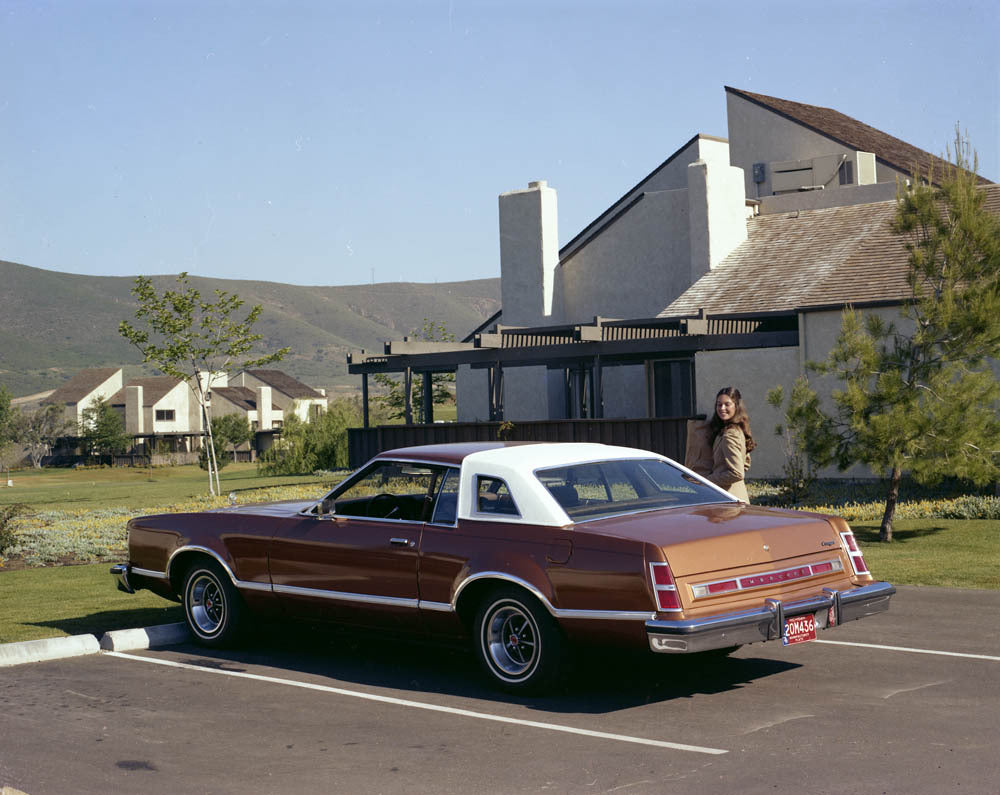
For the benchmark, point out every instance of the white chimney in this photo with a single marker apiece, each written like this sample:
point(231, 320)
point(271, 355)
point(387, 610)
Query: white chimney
point(134, 424)
point(265, 413)
point(529, 253)
point(717, 214)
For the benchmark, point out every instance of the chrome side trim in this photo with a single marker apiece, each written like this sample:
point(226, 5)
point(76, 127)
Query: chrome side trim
point(245, 585)
point(437, 607)
point(499, 575)
point(342, 596)
point(248, 585)
point(197, 548)
point(154, 575)
point(604, 615)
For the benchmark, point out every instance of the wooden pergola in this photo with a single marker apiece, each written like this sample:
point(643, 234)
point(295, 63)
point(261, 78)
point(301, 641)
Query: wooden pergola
point(583, 351)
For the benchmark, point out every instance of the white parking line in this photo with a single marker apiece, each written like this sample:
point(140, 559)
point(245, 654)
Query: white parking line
point(421, 705)
point(912, 651)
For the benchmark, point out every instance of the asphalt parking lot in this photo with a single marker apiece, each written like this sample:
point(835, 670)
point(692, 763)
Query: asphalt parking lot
point(906, 702)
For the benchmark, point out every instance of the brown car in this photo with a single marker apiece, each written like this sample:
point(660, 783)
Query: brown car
point(527, 549)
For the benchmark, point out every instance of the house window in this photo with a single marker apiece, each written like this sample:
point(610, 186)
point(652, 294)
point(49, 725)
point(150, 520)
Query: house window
point(165, 415)
point(673, 388)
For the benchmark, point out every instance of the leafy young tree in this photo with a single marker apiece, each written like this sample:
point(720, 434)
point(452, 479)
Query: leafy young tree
point(37, 431)
point(103, 430)
point(394, 399)
point(920, 396)
point(186, 335)
point(228, 432)
point(7, 421)
point(321, 444)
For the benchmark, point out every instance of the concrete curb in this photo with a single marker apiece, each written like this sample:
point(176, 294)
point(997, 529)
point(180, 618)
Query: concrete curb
point(147, 638)
point(29, 651)
point(47, 649)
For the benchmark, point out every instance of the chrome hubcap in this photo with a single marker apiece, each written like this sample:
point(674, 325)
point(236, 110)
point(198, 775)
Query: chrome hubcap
point(511, 638)
point(207, 606)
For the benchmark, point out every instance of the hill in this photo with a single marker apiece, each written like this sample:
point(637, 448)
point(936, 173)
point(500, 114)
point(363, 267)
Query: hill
point(55, 324)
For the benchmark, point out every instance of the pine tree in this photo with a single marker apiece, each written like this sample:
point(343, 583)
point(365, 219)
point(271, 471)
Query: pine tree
point(920, 396)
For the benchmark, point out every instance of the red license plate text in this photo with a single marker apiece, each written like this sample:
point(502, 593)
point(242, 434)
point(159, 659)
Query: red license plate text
point(799, 629)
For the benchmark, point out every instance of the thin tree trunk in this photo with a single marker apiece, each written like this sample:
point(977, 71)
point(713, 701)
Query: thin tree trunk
point(885, 532)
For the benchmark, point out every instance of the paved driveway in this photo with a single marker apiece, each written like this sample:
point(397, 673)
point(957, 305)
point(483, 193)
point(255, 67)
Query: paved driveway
point(907, 702)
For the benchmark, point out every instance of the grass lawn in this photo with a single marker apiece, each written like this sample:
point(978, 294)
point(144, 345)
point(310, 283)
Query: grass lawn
point(952, 553)
point(71, 600)
point(73, 489)
point(74, 600)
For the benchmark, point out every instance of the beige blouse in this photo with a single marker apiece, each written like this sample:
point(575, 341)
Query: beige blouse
point(730, 461)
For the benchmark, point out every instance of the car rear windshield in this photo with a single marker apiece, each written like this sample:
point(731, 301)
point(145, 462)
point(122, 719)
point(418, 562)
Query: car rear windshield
point(606, 488)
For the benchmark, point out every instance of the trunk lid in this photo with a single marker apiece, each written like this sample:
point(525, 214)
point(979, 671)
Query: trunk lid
point(707, 538)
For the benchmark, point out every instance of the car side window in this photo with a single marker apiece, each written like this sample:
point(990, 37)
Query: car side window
point(387, 490)
point(446, 506)
point(493, 497)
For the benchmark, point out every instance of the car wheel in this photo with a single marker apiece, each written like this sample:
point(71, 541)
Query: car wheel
point(517, 642)
point(212, 606)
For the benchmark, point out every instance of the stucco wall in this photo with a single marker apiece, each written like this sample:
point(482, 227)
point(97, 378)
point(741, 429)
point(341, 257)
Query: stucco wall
point(759, 135)
point(624, 390)
point(533, 393)
point(472, 393)
point(754, 372)
point(634, 268)
point(179, 400)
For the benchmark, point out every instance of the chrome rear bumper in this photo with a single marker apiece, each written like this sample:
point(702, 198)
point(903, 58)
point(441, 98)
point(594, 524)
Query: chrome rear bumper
point(830, 609)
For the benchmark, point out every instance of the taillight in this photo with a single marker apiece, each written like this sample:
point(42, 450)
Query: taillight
point(854, 551)
point(667, 598)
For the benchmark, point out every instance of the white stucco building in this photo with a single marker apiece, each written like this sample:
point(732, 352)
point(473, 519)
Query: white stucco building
point(729, 264)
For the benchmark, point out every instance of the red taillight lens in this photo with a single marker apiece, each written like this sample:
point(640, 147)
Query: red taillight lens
point(854, 552)
point(663, 585)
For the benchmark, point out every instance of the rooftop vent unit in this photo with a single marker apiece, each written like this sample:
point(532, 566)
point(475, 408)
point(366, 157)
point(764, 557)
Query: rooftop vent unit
point(823, 173)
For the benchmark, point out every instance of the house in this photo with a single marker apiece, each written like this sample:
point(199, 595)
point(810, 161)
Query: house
point(255, 405)
point(287, 393)
point(160, 412)
point(729, 263)
point(83, 390)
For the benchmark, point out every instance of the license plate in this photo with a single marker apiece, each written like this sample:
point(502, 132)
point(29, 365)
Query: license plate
point(799, 629)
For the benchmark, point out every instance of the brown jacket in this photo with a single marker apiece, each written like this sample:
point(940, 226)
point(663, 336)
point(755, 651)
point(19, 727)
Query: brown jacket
point(730, 461)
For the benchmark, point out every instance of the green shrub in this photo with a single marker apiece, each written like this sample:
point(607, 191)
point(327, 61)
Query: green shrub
point(8, 533)
point(864, 500)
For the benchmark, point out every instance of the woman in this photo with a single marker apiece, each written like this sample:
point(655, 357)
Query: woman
point(729, 433)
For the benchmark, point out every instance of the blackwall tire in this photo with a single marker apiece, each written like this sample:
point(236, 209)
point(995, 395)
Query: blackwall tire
point(517, 642)
point(213, 607)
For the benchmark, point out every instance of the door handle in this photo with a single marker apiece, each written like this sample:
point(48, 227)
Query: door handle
point(402, 542)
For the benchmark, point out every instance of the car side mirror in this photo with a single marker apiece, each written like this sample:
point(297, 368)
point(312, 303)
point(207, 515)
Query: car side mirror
point(326, 507)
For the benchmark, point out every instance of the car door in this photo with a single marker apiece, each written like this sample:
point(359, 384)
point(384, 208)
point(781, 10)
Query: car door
point(354, 558)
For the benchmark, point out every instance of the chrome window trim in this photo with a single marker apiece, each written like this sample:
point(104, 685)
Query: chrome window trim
point(476, 513)
point(640, 459)
point(638, 511)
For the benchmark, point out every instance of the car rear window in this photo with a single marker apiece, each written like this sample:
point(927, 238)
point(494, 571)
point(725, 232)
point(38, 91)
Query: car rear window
point(605, 488)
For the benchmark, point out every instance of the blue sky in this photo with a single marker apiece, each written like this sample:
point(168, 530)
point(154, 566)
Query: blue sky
point(330, 142)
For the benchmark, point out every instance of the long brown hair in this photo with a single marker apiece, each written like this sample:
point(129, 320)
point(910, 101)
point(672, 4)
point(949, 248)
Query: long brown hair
point(740, 417)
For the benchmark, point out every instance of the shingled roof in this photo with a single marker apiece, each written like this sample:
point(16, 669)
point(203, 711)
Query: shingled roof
point(81, 385)
point(153, 389)
point(285, 384)
point(242, 396)
point(809, 258)
point(851, 133)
